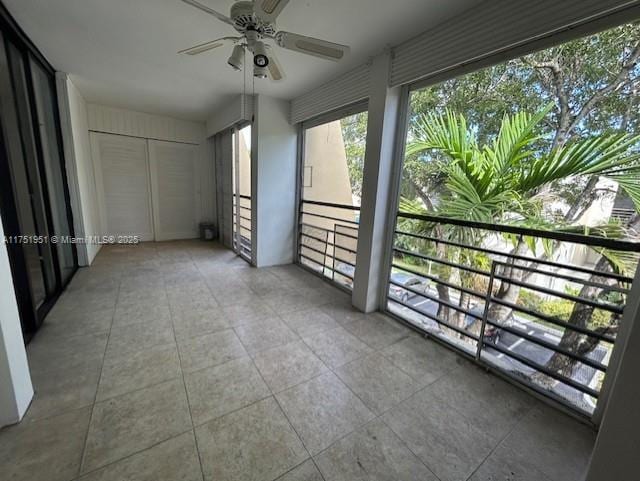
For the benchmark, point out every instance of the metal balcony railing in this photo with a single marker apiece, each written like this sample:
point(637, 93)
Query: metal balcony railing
point(242, 226)
point(328, 240)
point(548, 319)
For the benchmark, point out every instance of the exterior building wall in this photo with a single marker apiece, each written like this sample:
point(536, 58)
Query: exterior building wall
point(326, 179)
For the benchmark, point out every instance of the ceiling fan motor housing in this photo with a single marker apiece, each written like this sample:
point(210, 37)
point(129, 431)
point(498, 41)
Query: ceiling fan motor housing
point(244, 19)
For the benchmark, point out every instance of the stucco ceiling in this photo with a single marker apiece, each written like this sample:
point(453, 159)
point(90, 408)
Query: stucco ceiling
point(123, 52)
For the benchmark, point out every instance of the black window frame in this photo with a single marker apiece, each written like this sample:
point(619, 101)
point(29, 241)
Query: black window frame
point(30, 316)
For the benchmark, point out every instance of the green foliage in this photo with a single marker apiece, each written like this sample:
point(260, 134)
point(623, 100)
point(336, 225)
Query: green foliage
point(560, 309)
point(354, 134)
point(591, 84)
point(502, 179)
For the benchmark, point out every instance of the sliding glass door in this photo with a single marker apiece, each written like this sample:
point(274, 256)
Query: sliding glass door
point(34, 198)
point(52, 157)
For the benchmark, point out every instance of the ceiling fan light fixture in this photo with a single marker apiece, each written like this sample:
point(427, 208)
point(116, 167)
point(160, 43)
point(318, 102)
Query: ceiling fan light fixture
point(260, 72)
point(260, 56)
point(237, 57)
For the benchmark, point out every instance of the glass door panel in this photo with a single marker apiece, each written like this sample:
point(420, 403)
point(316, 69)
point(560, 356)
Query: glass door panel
point(45, 104)
point(19, 179)
point(25, 123)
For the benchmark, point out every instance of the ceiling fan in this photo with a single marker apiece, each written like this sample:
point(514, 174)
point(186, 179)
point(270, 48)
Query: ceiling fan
point(255, 22)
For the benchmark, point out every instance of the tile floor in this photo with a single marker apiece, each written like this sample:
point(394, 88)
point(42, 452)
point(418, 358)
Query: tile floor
point(178, 362)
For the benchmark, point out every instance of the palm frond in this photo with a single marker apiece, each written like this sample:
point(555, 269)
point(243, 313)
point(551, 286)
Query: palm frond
point(609, 156)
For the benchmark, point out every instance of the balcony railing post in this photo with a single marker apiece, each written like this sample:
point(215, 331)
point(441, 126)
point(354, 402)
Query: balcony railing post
point(485, 313)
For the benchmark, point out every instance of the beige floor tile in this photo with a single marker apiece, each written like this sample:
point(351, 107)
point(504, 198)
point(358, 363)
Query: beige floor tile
point(422, 359)
point(61, 390)
point(265, 334)
point(373, 450)
point(125, 373)
point(323, 410)
point(209, 350)
point(449, 444)
point(135, 421)
point(307, 471)
point(554, 443)
point(337, 347)
point(504, 465)
point(216, 391)
point(239, 314)
point(285, 366)
point(309, 321)
point(172, 460)
point(193, 323)
point(45, 450)
point(494, 405)
point(377, 382)
point(376, 330)
point(131, 338)
point(256, 442)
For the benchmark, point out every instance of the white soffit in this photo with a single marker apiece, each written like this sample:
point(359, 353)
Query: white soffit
point(344, 90)
point(489, 28)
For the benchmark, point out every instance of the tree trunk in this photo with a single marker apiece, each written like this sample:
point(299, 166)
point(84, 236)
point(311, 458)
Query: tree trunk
point(573, 341)
point(508, 292)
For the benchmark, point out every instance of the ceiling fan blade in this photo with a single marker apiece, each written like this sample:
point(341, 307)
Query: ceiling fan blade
point(268, 10)
point(312, 46)
point(205, 47)
point(276, 73)
point(210, 11)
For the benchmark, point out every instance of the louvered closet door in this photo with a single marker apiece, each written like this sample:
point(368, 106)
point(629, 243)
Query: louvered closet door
point(122, 180)
point(175, 189)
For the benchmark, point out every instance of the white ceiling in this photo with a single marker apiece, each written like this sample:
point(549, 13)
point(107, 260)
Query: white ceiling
point(123, 52)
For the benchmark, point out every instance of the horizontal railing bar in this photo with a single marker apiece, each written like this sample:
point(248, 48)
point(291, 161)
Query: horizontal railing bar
point(579, 300)
point(327, 255)
point(533, 260)
point(241, 208)
point(329, 230)
point(567, 277)
point(247, 197)
point(554, 235)
point(553, 320)
point(330, 204)
point(543, 369)
point(440, 281)
point(442, 261)
point(335, 271)
point(327, 243)
point(548, 345)
point(332, 218)
point(435, 319)
point(439, 301)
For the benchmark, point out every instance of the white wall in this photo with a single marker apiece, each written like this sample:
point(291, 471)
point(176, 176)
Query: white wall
point(16, 390)
point(273, 157)
point(615, 456)
point(80, 173)
point(113, 120)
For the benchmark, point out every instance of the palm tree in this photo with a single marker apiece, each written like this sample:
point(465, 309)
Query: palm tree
point(511, 180)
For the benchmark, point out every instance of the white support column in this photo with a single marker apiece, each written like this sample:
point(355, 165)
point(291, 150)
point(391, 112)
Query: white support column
point(274, 143)
point(615, 455)
point(377, 188)
point(16, 390)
